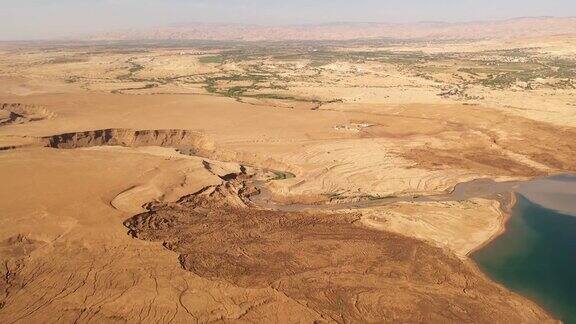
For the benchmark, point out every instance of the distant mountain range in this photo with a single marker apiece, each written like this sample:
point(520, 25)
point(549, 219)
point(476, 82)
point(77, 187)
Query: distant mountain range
point(511, 28)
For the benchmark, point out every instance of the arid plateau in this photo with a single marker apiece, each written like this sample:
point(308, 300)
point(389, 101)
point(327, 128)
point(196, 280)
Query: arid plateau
point(289, 180)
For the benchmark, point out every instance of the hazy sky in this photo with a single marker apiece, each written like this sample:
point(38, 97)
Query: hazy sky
point(29, 19)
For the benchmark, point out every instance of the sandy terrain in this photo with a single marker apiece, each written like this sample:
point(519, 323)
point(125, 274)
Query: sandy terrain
point(442, 222)
point(167, 143)
point(67, 256)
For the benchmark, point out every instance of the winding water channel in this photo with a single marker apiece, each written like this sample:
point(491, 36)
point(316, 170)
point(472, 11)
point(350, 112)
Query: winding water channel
point(543, 190)
point(535, 256)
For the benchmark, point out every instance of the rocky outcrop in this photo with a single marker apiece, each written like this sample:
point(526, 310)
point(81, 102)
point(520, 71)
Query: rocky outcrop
point(192, 142)
point(340, 271)
point(15, 113)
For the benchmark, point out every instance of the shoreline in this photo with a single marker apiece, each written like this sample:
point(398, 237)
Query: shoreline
point(506, 211)
point(506, 206)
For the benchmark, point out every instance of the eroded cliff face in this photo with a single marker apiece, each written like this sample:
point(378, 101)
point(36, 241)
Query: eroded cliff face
point(16, 113)
point(195, 142)
point(186, 141)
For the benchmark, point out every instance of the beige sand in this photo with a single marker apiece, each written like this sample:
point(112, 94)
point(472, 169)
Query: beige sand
point(348, 129)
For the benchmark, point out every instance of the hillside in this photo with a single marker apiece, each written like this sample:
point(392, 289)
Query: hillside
point(512, 28)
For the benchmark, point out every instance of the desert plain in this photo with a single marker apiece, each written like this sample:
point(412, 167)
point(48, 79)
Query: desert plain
point(271, 181)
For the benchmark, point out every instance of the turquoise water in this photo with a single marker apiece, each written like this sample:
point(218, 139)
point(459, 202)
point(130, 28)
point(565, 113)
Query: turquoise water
point(536, 257)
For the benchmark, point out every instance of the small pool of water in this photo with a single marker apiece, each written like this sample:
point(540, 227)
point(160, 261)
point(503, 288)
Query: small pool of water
point(536, 257)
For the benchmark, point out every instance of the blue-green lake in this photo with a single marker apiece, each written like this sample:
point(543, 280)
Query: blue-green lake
point(536, 257)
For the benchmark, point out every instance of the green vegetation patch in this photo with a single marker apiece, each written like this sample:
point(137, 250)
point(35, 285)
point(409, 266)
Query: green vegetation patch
point(216, 59)
point(283, 175)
